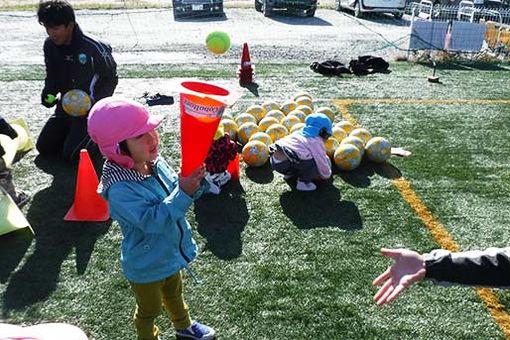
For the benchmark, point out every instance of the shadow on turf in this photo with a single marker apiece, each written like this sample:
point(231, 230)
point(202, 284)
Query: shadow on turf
point(360, 177)
point(322, 208)
point(55, 241)
point(221, 220)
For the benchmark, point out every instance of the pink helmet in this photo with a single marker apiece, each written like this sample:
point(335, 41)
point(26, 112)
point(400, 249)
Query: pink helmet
point(113, 120)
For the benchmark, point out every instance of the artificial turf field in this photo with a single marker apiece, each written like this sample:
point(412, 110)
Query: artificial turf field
point(279, 264)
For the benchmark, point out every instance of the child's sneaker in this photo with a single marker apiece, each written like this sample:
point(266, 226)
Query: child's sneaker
point(195, 331)
point(305, 186)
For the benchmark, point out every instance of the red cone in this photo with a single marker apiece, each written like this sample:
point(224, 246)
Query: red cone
point(245, 71)
point(88, 204)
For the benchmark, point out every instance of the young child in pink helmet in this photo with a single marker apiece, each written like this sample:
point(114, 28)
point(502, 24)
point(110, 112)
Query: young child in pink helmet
point(149, 200)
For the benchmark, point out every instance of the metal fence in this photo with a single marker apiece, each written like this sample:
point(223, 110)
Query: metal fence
point(460, 29)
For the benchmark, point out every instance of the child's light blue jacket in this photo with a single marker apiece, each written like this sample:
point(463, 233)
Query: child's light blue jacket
point(151, 212)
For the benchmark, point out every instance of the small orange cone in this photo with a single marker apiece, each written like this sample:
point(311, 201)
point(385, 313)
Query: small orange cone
point(245, 71)
point(88, 204)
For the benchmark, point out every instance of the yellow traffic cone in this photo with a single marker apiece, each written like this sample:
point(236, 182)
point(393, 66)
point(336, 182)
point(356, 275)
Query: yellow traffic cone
point(25, 139)
point(11, 218)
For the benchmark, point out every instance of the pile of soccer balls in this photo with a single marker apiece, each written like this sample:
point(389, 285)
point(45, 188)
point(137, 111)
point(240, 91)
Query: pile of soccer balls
point(261, 125)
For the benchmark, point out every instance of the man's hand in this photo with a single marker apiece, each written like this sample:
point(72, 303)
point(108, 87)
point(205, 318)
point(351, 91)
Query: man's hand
point(409, 268)
point(191, 183)
point(48, 100)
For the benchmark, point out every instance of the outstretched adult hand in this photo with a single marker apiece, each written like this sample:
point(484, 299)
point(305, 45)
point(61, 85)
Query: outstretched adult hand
point(191, 183)
point(409, 268)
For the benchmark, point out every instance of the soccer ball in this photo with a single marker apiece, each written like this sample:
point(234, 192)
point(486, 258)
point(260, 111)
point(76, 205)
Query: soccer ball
point(256, 111)
point(304, 100)
point(277, 131)
point(288, 106)
point(290, 121)
point(347, 157)
point(378, 149)
point(261, 137)
point(269, 105)
point(346, 125)
point(302, 94)
point(327, 111)
point(76, 103)
point(339, 134)
point(245, 131)
point(275, 114)
point(255, 153)
point(242, 118)
point(357, 142)
point(297, 127)
point(362, 134)
point(230, 127)
point(298, 113)
point(307, 110)
point(267, 122)
point(331, 144)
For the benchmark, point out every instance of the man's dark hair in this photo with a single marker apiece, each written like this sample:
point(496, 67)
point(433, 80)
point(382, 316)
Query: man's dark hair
point(53, 13)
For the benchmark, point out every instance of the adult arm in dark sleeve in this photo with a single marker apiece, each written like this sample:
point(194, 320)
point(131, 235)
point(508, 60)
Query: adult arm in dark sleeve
point(50, 82)
point(488, 268)
point(105, 79)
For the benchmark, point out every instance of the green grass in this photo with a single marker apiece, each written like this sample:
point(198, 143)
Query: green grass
point(278, 264)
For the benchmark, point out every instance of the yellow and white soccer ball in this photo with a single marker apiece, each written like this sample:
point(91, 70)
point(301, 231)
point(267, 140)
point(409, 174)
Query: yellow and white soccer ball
point(226, 115)
point(256, 111)
point(288, 106)
point(361, 133)
point(261, 137)
point(267, 122)
point(269, 105)
point(307, 110)
point(346, 125)
point(242, 118)
point(304, 100)
point(230, 127)
point(278, 114)
point(255, 153)
point(331, 144)
point(277, 131)
point(289, 121)
point(357, 142)
point(347, 157)
point(302, 94)
point(378, 149)
point(327, 111)
point(298, 113)
point(297, 127)
point(245, 131)
point(339, 133)
point(76, 103)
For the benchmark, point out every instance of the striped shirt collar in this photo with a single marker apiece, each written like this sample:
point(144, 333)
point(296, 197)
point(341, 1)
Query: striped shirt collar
point(113, 173)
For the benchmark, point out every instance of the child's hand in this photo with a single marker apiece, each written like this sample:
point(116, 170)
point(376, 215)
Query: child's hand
point(191, 183)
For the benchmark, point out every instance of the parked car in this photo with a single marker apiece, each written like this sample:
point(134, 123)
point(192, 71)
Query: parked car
point(197, 8)
point(268, 6)
point(360, 7)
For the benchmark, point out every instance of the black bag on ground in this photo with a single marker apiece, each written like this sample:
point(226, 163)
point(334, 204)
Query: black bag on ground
point(330, 68)
point(368, 64)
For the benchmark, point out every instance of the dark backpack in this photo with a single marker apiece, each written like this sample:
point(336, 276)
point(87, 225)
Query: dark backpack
point(330, 68)
point(368, 64)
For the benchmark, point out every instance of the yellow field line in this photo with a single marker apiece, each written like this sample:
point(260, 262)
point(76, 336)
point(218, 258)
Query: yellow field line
point(423, 101)
point(438, 231)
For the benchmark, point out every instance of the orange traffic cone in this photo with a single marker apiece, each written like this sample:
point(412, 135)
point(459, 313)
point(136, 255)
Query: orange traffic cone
point(245, 71)
point(88, 204)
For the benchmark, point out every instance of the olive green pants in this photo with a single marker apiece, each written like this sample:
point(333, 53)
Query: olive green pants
point(149, 297)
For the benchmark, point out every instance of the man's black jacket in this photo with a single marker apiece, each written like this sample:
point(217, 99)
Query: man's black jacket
point(86, 64)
